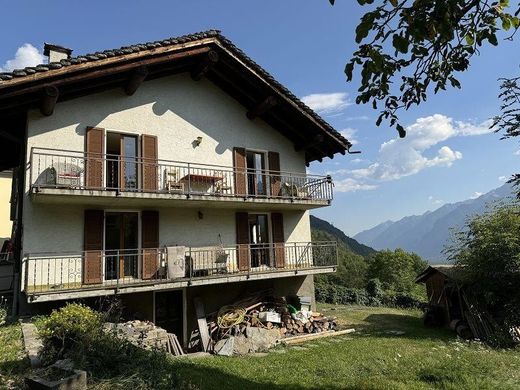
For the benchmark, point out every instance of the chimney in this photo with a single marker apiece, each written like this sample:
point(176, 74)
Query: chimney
point(56, 53)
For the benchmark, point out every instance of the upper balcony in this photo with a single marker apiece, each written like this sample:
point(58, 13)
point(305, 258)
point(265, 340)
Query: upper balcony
point(77, 177)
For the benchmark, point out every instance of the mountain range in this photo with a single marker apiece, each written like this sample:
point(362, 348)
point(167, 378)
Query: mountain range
point(427, 234)
point(319, 225)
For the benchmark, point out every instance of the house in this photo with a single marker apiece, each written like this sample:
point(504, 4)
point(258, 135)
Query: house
point(162, 172)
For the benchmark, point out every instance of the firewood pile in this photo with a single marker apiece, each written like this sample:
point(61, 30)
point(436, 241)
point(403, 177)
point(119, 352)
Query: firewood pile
point(263, 310)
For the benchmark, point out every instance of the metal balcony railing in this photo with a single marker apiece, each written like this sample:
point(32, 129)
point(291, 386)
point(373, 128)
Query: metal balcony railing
point(46, 273)
point(52, 168)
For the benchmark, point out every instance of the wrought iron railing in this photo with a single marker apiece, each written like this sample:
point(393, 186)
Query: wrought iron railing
point(51, 168)
point(50, 272)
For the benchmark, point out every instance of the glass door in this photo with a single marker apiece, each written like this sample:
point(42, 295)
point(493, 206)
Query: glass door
point(121, 245)
point(256, 180)
point(259, 239)
point(121, 162)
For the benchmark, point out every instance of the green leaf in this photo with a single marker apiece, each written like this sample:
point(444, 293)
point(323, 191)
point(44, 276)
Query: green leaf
point(362, 30)
point(332, 2)
point(393, 2)
point(349, 68)
point(469, 39)
point(400, 43)
point(401, 131)
point(506, 23)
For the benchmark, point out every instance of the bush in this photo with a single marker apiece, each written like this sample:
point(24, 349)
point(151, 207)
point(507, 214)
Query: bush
point(69, 330)
point(76, 332)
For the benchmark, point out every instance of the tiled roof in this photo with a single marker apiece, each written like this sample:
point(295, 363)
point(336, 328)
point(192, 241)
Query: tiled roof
point(92, 57)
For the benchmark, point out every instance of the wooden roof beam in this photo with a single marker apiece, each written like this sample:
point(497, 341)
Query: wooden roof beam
point(135, 80)
point(316, 140)
point(49, 99)
point(205, 65)
point(262, 107)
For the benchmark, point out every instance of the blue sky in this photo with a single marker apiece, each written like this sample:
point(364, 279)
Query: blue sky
point(448, 155)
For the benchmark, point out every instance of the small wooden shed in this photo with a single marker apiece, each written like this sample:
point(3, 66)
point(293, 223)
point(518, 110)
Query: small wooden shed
point(443, 291)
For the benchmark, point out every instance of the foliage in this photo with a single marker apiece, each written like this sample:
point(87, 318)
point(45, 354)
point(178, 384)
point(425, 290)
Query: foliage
point(397, 271)
point(508, 121)
point(69, 329)
point(351, 269)
point(76, 331)
point(407, 47)
point(488, 252)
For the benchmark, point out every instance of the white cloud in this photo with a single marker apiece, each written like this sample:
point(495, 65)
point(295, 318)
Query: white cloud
point(352, 185)
point(517, 153)
point(398, 158)
point(435, 201)
point(349, 133)
point(327, 103)
point(502, 178)
point(357, 118)
point(476, 194)
point(26, 55)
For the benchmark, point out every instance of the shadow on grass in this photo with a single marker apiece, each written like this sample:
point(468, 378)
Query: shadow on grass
point(208, 378)
point(392, 325)
point(12, 372)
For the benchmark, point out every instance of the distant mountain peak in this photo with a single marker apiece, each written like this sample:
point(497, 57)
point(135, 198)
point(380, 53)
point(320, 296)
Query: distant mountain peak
point(427, 234)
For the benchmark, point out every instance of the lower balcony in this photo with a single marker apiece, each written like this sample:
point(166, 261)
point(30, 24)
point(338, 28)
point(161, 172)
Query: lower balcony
point(56, 276)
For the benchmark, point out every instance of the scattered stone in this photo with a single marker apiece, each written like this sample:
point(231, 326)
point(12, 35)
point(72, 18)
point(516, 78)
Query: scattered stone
point(143, 334)
point(32, 343)
point(395, 332)
point(299, 348)
point(225, 347)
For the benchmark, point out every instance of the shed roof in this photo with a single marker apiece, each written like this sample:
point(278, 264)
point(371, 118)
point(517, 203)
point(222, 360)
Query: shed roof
point(448, 270)
point(234, 72)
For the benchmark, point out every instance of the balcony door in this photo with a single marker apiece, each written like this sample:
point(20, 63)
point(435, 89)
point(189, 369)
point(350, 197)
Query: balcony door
point(256, 177)
point(259, 239)
point(121, 244)
point(121, 170)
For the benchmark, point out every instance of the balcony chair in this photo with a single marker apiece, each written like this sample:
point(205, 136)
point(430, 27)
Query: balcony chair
point(209, 260)
point(171, 180)
point(221, 186)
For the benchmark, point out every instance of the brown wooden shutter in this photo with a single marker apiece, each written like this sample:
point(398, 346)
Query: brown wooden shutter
point(278, 239)
point(274, 172)
point(93, 245)
point(240, 166)
point(242, 226)
point(95, 149)
point(149, 156)
point(150, 243)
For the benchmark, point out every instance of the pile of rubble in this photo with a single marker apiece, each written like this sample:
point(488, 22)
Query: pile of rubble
point(259, 321)
point(143, 334)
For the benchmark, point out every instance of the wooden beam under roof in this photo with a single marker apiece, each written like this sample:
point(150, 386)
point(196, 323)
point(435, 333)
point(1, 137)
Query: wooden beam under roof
point(49, 99)
point(262, 107)
point(135, 80)
point(205, 65)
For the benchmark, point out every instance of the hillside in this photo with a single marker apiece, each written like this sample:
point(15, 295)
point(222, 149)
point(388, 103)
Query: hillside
point(427, 234)
point(350, 243)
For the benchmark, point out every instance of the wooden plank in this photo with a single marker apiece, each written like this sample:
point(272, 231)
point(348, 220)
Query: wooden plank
point(203, 324)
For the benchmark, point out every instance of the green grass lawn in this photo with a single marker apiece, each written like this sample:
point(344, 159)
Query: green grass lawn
point(372, 358)
point(13, 363)
point(377, 356)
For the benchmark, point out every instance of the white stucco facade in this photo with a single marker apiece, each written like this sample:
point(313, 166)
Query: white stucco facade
point(176, 110)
